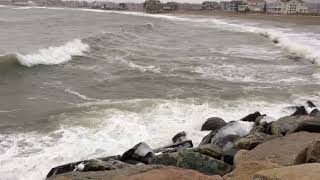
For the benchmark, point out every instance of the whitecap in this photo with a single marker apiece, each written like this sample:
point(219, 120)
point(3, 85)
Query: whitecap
point(54, 55)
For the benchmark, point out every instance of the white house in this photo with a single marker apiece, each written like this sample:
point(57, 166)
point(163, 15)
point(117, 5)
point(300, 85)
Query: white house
point(293, 6)
point(256, 5)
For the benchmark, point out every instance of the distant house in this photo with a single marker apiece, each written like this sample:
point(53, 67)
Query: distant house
point(234, 5)
point(256, 5)
point(170, 6)
point(293, 7)
point(122, 6)
point(5, 2)
point(243, 6)
point(152, 6)
point(210, 5)
point(135, 6)
point(190, 7)
point(225, 5)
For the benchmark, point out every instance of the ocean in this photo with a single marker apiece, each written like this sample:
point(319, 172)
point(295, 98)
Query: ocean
point(78, 83)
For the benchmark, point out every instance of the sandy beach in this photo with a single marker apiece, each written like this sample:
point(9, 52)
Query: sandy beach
point(293, 19)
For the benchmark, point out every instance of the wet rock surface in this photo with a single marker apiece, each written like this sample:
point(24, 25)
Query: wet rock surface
point(255, 147)
point(193, 160)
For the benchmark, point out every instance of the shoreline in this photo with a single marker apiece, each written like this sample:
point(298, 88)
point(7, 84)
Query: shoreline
point(280, 18)
point(223, 154)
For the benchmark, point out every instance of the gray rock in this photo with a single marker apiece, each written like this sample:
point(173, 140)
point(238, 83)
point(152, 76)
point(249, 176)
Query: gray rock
point(213, 123)
point(315, 113)
point(210, 150)
point(179, 137)
point(251, 117)
point(288, 124)
point(207, 139)
point(300, 111)
point(140, 152)
point(108, 163)
point(224, 140)
point(312, 126)
point(193, 160)
point(252, 140)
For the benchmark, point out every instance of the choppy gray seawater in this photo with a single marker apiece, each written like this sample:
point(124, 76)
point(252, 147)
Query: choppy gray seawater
point(79, 84)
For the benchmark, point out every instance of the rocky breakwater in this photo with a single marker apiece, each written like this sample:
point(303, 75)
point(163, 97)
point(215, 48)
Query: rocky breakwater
point(256, 147)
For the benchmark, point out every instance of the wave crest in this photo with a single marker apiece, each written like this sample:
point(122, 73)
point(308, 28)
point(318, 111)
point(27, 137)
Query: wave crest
point(49, 56)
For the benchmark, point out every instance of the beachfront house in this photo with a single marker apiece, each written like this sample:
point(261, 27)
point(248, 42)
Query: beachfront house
point(152, 6)
point(293, 7)
point(234, 5)
point(190, 7)
point(5, 2)
point(170, 6)
point(225, 5)
point(257, 5)
point(243, 6)
point(210, 5)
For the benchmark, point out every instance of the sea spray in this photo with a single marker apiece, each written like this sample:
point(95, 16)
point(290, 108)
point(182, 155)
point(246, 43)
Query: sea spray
point(54, 55)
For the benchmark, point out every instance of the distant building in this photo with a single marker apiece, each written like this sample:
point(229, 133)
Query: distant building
point(274, 8)
point(135, 6)
point(122, 6)
point(190, 7)
point(243, 6)
point(152, 6)
point(234, 5)
point(170, 6)
point(256, 5)
point(5, 2)
point(225, 5)
point(293, 7)
point(210, 5)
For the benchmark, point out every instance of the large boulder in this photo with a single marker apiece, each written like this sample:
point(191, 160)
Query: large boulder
point(140, 152)
point(315, 113)
point(313, 152)
point(193, 160)
point(212, 124)
point(207, 139)
point(288, 124)
point(230, 132)
point(252, 140)
point(251, 117)
point(224, 140)
point(246, 170)
point(287, 151)
point(300, 111)
point(298, 172)
point(210, 150)
point(173, 173)
point(311, 104)
point(138, 173)
point(102, 164)
point(309, 126)
point(179, 137)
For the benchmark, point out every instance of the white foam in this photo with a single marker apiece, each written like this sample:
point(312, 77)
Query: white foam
point(84, 97)
point(54, 55)
point(111, 127)
point(304, 45)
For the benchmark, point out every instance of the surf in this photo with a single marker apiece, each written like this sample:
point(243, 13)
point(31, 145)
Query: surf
point(48, 56)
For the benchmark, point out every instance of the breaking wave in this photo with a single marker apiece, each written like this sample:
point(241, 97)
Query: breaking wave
point(48, 56)
point(303, 45)
point(111, 123)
